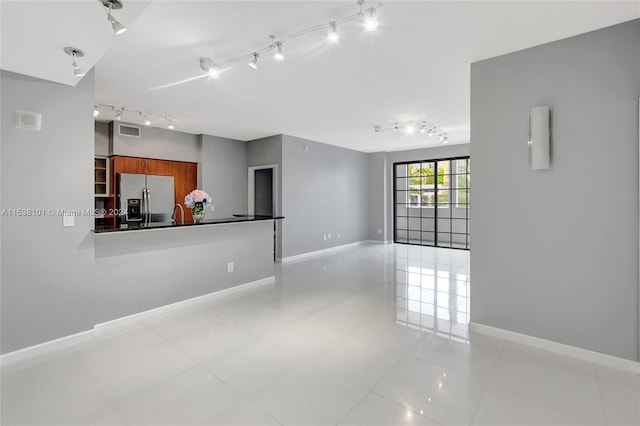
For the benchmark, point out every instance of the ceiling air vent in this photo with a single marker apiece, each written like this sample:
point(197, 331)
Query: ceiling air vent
point(131, 131)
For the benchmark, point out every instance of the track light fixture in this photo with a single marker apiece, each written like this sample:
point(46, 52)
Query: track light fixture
point(75, 53)
point(279, 56)
point(207, 65)
point(117, 26)
point(120, 113)
point(254, 63)
point(333, 36)
point(410, 128)
point(370, 23)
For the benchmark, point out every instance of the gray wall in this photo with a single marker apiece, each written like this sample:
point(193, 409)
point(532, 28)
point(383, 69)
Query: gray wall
point(157, 143)
point(325, 191)
point(46, 270)
point(560, 261)
point(224, 175)
point(141, 270)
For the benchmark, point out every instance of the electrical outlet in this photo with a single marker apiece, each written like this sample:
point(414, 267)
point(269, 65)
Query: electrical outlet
point(213, 208)
point(325, 237)
point(338, 235)
point(379, 230)
point(230, 267)
point(329, 236)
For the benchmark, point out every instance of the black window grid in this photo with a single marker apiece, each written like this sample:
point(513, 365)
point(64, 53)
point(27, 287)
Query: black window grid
point(434, 210)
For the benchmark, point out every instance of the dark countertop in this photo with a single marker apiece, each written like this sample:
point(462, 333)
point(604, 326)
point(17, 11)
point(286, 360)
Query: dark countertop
point(161, 225)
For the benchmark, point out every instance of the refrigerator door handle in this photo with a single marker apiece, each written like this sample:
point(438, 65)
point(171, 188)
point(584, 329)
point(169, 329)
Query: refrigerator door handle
point(148, 205)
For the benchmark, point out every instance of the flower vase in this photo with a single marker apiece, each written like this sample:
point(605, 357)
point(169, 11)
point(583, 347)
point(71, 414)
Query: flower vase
point(197, 211)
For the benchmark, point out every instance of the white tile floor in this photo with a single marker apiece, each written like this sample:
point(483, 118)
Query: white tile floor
point(375, 335)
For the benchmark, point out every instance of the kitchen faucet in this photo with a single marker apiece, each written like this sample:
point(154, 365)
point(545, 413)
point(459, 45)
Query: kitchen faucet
point(173, 215)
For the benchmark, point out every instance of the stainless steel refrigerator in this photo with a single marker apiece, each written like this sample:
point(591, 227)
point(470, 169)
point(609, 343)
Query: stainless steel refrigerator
point(145, 198)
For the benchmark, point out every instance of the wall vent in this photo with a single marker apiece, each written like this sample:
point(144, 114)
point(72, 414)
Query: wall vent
point(130, 131)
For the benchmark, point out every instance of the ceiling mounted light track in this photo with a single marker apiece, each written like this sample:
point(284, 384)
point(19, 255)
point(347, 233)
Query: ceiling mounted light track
point(410, 128)
point(138, 116)
point(110, 5)
point(365, 16)
point(75, 53)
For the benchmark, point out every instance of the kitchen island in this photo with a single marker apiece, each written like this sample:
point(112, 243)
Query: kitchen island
point(145, 267)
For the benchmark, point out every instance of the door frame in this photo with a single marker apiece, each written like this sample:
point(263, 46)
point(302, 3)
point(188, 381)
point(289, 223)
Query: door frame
point(251, 179)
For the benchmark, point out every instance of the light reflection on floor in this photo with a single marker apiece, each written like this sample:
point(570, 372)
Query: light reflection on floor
point(432, 290)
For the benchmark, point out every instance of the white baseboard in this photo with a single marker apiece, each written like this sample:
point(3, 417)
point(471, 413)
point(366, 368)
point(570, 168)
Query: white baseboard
point(46, 348)
point(123, 323)
point(182, 306)
point(322, 252)
point(558, 348)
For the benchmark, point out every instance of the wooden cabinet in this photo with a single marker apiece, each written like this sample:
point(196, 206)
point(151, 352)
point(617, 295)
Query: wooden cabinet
point(186, 180)
point(185, 175)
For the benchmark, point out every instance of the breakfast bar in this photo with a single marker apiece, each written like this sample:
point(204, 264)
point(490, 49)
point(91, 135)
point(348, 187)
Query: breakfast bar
point(143, 267)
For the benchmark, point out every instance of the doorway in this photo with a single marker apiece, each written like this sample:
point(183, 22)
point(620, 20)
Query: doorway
point(263, 193)
point(263, 197)
point(432, 202)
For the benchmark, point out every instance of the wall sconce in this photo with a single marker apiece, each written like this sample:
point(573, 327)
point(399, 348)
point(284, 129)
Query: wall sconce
point(540, 138)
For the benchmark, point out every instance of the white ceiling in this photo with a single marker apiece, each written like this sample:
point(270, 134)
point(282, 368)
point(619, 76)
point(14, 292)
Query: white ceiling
point(415, 67)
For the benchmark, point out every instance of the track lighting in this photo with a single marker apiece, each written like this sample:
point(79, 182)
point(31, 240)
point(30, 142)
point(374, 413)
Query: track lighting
point(333, 36)
point(144, 117)
point(254, 63)
point(207, 65)
point(279, 56)
point(370, 23)
point(117, 26)
point(75, 53)
point(410, 128)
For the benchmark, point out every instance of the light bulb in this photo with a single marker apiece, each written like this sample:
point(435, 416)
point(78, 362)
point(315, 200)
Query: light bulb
point(147, 122)
point(96, 112)
point(370, 23)
point(410, 129)
point(214, 71)
point(423, 129)
point(118, 115)
point(170, 125)
point(333, 36)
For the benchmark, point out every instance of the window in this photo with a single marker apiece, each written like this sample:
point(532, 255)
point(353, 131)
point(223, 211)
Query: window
point(431, 202)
